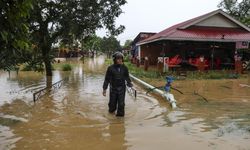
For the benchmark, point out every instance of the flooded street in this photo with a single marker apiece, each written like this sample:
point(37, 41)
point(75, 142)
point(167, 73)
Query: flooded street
point(76, 115)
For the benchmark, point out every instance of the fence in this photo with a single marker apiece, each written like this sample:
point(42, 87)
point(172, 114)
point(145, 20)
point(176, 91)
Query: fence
point(40, 93)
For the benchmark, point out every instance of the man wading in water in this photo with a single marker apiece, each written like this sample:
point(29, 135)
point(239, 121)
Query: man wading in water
point(117, 76)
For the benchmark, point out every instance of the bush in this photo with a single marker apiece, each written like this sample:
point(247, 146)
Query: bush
point(108, 61)
point(66, 67)
point(126, 58)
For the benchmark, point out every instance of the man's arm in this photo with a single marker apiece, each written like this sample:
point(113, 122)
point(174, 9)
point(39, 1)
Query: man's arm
point(106, 81)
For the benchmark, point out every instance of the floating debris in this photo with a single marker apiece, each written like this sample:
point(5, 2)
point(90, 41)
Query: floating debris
point(245, 85)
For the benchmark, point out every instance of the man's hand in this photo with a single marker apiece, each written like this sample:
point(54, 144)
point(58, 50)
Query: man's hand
point(104, 93)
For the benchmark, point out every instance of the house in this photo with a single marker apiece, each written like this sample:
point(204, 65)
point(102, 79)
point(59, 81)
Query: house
point(140, 37)
point(215, 36)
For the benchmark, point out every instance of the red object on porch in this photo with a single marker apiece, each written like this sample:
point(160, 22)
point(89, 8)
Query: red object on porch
point(200, 65)
point(176, 60)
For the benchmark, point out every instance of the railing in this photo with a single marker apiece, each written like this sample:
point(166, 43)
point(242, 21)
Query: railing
point(132, 91)
point(165, 95)
point(40, 93)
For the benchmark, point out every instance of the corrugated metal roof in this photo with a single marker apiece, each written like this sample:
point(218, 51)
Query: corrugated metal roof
point(188, 31)
point(138, 37)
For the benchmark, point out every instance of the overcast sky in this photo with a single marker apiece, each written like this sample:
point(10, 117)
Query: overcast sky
point(157, 15)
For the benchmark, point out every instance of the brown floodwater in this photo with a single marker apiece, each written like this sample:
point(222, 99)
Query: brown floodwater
point(76, 115)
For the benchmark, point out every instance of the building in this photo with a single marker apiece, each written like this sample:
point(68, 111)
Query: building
point(215, 36)
point(140, 37)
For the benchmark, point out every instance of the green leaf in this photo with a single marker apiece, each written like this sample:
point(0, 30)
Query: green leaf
point(4, 36)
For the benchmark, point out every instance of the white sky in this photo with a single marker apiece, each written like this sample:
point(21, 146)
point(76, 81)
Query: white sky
point(157, 15)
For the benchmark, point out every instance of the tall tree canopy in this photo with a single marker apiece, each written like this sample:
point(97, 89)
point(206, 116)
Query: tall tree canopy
point(92, 43)
point(238, 9)
point(13, 32)
point(54, 20)
point(127, 44)
point(110, 45)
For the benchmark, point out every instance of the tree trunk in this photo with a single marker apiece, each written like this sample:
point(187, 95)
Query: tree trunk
point(48, 67)
point(46, 48)
point(48, 82)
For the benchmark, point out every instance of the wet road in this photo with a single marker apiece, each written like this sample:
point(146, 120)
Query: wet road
point(76, 116)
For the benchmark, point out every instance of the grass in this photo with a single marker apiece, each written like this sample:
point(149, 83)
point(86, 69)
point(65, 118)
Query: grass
point(211, 74)
point(140, 72)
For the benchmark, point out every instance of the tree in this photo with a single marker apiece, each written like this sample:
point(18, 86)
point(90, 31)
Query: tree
point(14, 44)
point(110, 45)
point(127, 44)
point(239, 10)
point(92, 43)
point(54, 20)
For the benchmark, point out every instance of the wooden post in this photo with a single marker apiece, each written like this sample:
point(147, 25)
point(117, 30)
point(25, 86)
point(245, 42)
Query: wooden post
point(238, 67)
point(238, 63)
point(146, 64)
point(137, 61)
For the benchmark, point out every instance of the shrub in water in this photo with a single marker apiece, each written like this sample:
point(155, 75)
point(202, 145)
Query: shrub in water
point(66, 67)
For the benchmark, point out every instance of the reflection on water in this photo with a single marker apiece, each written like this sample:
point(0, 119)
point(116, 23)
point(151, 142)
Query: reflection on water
point(76, 116)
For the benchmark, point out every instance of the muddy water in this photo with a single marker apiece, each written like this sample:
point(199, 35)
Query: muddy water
point(75, 116)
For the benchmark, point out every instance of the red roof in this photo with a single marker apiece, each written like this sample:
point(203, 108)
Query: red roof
point(189, 31)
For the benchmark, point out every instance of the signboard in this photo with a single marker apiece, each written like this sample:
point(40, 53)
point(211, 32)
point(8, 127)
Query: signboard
point(242, 45)
point(165, 61)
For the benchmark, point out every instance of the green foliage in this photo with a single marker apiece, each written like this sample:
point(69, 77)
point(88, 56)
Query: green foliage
point(110, 44)
point(14, 44)
point(139, 72)
point(66, 67)
point(239, 10)
point(126, 59)
point(26, 68)
point(127, 44)
point(33, 67)
point(70, 21)
point(92, 43)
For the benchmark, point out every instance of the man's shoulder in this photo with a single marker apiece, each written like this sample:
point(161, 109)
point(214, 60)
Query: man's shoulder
point(110, 67)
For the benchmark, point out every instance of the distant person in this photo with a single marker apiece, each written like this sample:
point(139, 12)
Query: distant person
point(117, 76)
